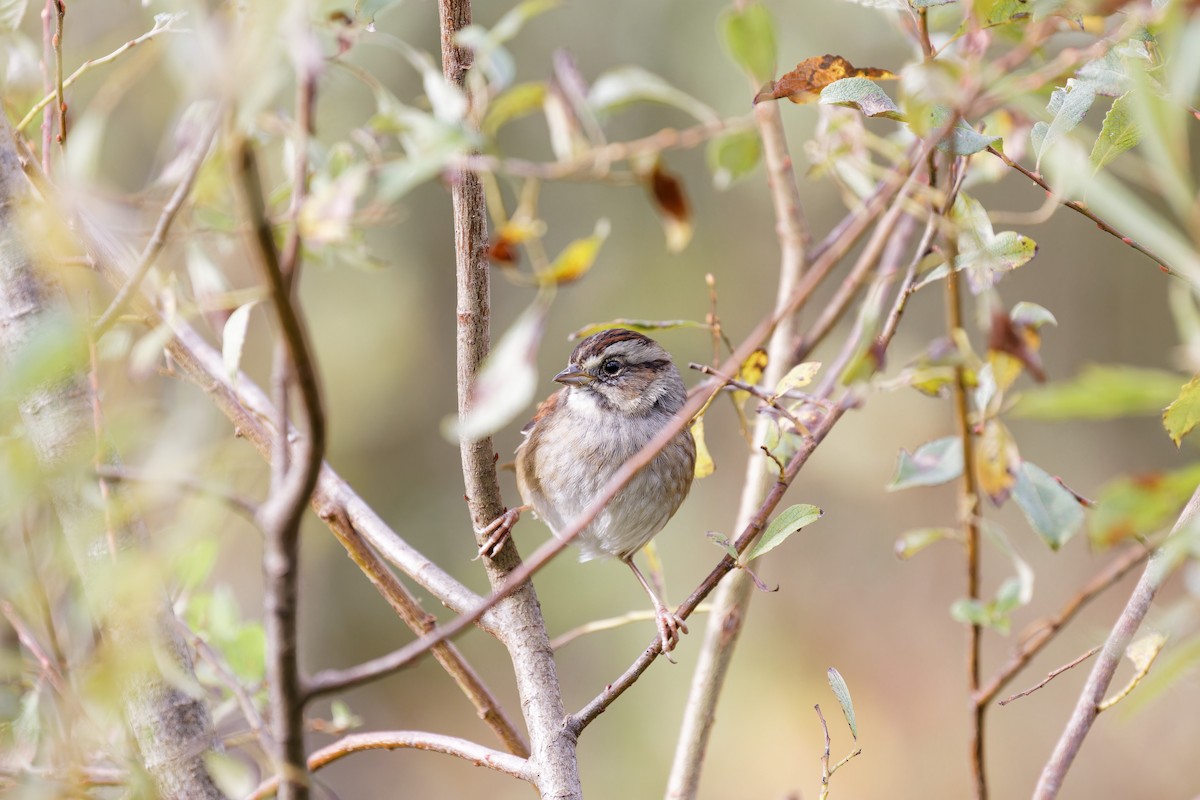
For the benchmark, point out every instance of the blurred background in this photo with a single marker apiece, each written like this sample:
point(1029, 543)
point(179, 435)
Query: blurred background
point(385, 345)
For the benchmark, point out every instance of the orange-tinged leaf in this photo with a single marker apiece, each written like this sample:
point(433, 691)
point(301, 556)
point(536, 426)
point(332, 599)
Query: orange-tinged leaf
point(503, 248)
point(804, 83)
point(996, 461)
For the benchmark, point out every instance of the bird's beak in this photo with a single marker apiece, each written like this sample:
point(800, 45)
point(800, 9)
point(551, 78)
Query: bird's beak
point(573, 376)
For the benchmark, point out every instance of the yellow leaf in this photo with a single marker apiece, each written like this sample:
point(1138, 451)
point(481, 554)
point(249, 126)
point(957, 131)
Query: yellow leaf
point(798, 376)
point(751, 372)
point(577, 257)
point(704, 462)
point(996, 461)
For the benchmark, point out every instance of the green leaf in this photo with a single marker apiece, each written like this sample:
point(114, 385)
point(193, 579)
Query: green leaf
point(1001, 12)
point(862, 94)
point(912, 542)
point(1120, 132)
point(623, 86)
point(733, 155)
point(1053, 512)
point(1068, 107)
point(1101, 392)
point(842, 692)
point(511, 23)
point(784, 525)
point(513, 103)
point(1138, 505)
point(639, 325)
point(233, 776)
point(578, 257)
point(982, 252)
point(962, 139)
point(933, 463)
point(1030, 315)
point(749, 37)
point(1182, 415)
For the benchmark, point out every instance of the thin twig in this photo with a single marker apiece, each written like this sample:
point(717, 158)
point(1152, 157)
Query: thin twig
point(60, 14)
point(43, 599)
point(163, 26)
point(1076, 206)
point(48, 83)
point(26, 638)
point(239, 503)
point(158, 239)
point(231, 682)
point(1043, 631)
point(611, 623)
point(1052, 675)
point(1159, 567)
point(477, 754)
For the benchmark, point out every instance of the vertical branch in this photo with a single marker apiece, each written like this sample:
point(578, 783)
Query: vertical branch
point(968, 505)
point(733, 597)
point(1087, 707)
point(282, 512)
point(60, 14)
point(523, 630)
point(47, 82)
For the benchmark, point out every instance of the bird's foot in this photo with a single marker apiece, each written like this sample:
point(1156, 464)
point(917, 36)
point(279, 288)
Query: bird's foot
point(497, 531)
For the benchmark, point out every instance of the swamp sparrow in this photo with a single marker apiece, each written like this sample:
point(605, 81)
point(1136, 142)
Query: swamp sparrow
point(620, 390)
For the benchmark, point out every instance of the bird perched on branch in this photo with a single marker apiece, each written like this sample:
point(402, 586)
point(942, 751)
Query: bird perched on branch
point(620, 389)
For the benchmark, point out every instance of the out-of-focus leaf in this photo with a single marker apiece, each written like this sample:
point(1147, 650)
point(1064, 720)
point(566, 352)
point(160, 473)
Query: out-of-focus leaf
point(1138, 505)
point(1101, 392)
point(842, 692)
point(233, 338)
point(1013, 346)
point(639, 325)
point(577, 257)
point(786, 523)
point(930, 3)
point(797, 377)
point(1053, 512)
point(670, 200)
point(751, 372)
point(863, 95)
point(1143, 650)
point(328, 210)
point(996, 461)
point(1001, 12)
point(982, 253)
point(507, 381)
point(342, 717)
point(1014, 592)
point(732, 155)
point(232, 775)
point(912, 542)
point(961, 139)
point(1031, 315)
point(1120, 132)
point(511, 23)
point(1067, 107)
point(804, 83)
point(516, 101)
point(933, 463)
point(11, 12)
point(704, 461)
point(748, 34)
point(147, 352)
point(448, 101)
point(1182, 415)
point(625, 85)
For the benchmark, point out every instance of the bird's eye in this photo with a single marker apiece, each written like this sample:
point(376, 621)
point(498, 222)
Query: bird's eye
point(611, 367)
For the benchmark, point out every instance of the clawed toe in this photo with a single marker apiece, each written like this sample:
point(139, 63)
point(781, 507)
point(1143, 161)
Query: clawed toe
point(497, 532)
point(670, 628)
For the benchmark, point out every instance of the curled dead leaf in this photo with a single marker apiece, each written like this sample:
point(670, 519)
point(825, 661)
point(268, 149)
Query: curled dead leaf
point(673, 207)
point(804, 83)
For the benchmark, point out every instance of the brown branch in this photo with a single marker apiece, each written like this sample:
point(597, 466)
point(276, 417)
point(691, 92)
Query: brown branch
point(1079, 207)
point(1043, 631)
point(731, 604)
point(60, 14)
point(1051, 675)
point(281, 513)
point(477, 754)
point(48, 83)
point(30, 642)
point(1159, 567)
point(555, 768)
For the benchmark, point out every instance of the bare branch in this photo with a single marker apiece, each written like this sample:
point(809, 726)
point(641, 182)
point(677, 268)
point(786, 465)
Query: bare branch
point(477, 754)
point(1160, 566)
point(1052, 675)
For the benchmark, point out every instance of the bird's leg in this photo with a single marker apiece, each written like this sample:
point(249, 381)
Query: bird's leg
point(496, 532)
point(670, 625)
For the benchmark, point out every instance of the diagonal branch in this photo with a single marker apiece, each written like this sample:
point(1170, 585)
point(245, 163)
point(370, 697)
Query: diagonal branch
point(1160, 566)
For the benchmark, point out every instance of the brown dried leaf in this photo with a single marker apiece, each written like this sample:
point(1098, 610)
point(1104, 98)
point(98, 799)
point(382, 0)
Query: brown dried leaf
point(671, 201)
point(804, 83)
